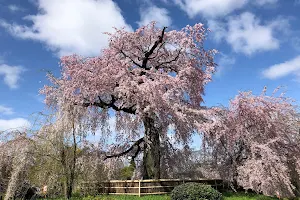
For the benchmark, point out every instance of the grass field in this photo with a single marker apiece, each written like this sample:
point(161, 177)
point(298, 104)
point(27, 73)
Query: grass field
point(226, 196)
point(243, 196)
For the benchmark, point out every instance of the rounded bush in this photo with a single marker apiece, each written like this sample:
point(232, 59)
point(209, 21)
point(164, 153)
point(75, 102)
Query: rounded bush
point(195, 191)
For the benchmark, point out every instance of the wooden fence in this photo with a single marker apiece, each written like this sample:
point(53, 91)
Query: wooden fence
point(141, 187)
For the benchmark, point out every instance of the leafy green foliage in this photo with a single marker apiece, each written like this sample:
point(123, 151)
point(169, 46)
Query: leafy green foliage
point(127, 172)
point(195, 191)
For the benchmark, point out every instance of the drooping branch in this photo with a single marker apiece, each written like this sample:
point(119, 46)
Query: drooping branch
point(136, 144)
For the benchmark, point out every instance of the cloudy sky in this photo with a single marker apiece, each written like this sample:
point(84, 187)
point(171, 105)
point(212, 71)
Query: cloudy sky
point(258, 41)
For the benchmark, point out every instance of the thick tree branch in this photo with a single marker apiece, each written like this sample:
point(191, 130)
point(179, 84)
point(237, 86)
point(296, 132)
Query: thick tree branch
point(137, 143)
point(150, 52)
point(160, 46)
point(111, 104)
point(139, 149)
point(130, 59)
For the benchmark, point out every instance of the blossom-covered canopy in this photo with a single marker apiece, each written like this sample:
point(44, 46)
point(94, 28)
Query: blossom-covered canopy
point(149, 71)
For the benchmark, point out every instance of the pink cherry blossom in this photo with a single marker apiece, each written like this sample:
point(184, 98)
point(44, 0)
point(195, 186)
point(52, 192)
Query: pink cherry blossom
point(257, 142)
point(140, 77)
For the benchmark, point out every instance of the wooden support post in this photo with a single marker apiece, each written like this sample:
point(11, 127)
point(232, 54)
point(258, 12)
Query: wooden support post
point(223, 185)
point(122, 187)
point(216, 185)
point(139, 188)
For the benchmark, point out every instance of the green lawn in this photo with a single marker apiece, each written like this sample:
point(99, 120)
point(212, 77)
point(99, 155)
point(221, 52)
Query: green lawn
point(226, 196)
point(129, 197)
point(243, 196)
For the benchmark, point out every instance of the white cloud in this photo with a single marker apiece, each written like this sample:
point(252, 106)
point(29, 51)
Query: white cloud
point(283, 69)
point(218, 29)
point(1, 59)
point(14, 8)
point(71, 26)
point(165, 1)
point(153, 13)
point(247, 34)
point(224, 62)
point(296, 43)
point(217, 8)
point(264, 2)
point(6, 110)
point(14, 124)
point(11, 75)
point(211, 8)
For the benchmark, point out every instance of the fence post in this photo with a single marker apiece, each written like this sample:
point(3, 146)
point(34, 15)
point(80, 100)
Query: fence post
point(139, 188)
point(216, 185)
point(223, 184)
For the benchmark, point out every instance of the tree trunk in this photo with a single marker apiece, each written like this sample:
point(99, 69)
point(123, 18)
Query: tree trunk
point(295, 177)
point(65, 170)
point(73, 167)
point(68, 182)
point(69, 191)
point(69, 168)
point(151, 159)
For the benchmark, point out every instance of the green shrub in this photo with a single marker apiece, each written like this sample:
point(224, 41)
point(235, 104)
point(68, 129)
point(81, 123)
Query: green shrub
point(127, 172)
point(76, 194)
point(195, 191)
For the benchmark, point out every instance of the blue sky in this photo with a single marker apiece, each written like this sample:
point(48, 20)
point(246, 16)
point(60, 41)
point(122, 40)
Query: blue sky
point(258, 41)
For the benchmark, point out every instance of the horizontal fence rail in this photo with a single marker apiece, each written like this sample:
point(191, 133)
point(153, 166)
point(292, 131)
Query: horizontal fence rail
point(142, 187)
